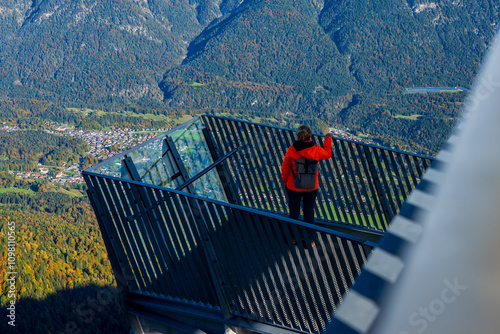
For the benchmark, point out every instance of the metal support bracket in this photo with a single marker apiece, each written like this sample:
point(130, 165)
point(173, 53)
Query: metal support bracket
point(224, 174)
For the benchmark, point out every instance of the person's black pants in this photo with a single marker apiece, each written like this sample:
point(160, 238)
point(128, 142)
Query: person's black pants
point(308, 199)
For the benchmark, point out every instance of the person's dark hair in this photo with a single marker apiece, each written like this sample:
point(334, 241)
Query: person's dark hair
point(304, 133)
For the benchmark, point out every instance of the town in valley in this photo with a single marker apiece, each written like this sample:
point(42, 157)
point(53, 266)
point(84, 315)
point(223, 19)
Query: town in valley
point(104, 144)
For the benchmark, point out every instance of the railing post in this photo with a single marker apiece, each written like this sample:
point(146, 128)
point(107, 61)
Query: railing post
point(216, 271)
point(222, 170)
point(169, 146)
point(129, 171)
point(378, 186)
point(103, 220)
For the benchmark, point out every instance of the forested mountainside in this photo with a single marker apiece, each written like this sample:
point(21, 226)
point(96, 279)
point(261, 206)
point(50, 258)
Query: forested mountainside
point(267, 54)
point(345, 62)
point(384, 45)
point(96, 50)
point(399, 43)
point(327, 62)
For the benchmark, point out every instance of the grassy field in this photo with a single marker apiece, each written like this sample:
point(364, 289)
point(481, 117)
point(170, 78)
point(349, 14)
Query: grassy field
point(194, 84)
point(16, 190)
point(411, 117)
point(178, 120)
point(84, 111)
point(71, 192)
point(50, 188)
point(350, 218)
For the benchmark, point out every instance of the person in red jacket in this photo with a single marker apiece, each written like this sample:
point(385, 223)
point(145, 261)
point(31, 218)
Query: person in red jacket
point(303, 148)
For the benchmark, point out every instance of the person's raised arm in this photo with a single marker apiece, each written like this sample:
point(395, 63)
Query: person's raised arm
point(326, 151)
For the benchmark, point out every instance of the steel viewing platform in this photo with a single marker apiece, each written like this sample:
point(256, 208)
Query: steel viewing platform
point(196, 228)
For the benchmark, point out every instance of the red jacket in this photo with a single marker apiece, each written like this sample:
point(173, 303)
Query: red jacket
point(307, 150)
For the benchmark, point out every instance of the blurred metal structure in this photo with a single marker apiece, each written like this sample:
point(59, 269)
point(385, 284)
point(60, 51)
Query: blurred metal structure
point(195, 226)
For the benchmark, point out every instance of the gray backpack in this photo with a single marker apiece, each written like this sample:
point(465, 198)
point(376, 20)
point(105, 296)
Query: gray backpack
point(306, 173)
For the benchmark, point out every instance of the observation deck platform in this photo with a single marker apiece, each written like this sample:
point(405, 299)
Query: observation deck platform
point(195, 225)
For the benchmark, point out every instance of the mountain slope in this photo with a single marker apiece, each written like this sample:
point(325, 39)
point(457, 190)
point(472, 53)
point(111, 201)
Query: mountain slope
point(344, 62)
point(97, 49)
point(311, 55)
point(398, 43)
point(319, 58)
point(267, 54)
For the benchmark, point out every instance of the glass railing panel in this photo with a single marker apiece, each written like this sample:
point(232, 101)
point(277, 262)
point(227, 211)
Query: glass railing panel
point(156, 165)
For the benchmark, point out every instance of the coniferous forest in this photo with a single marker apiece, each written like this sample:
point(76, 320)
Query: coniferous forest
point(64, 282)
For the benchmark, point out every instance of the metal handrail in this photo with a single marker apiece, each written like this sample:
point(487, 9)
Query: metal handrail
point(320, 135)
point(362, 185)
point(239, 207)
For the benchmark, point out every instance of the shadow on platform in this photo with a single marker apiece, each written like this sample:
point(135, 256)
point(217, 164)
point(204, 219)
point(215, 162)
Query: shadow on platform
point(90, 309)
